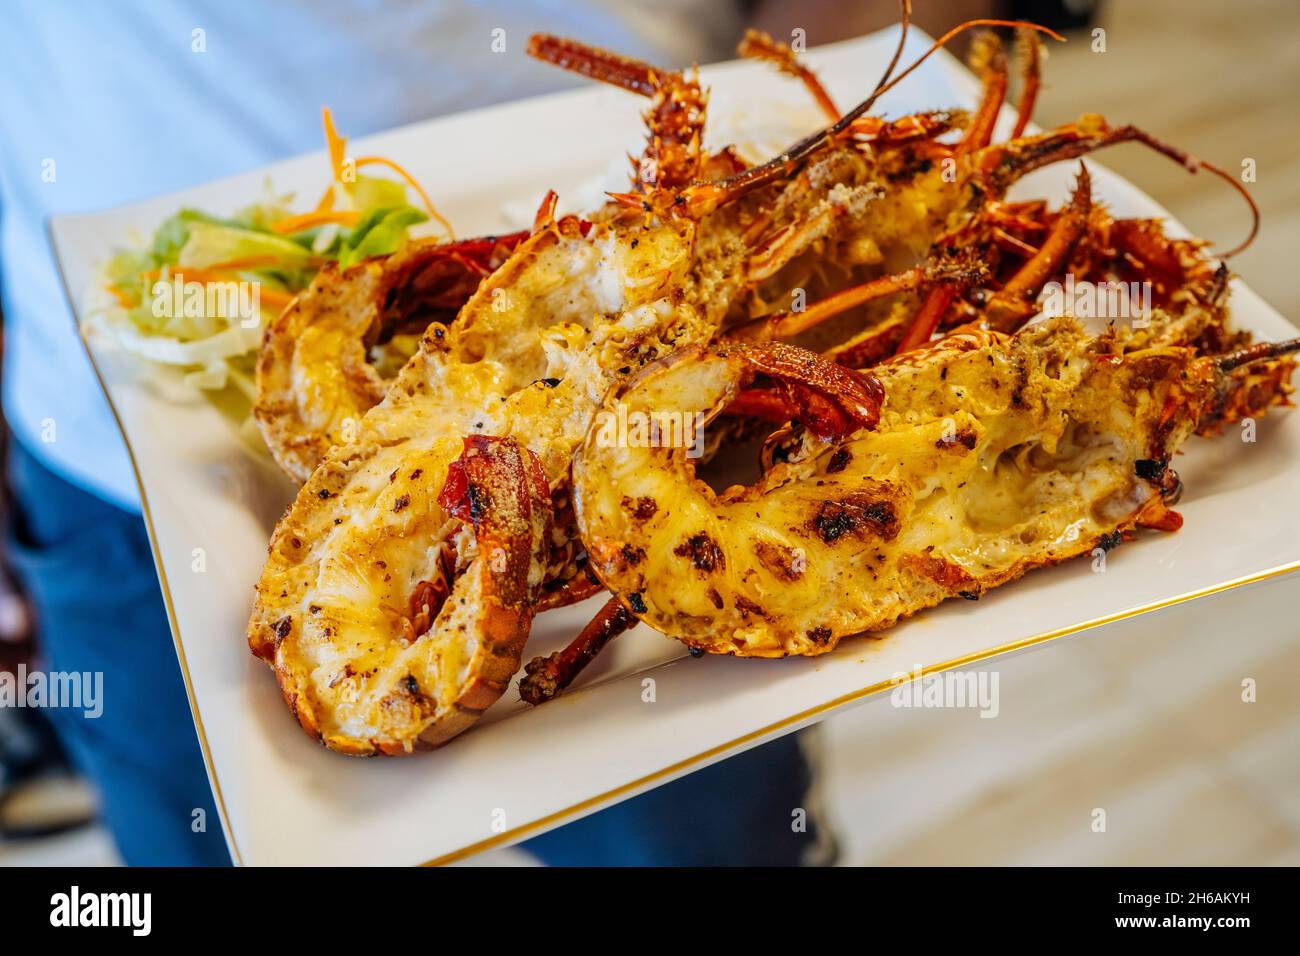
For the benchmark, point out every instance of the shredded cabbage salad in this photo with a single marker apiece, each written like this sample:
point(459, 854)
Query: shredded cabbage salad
point(198, 294)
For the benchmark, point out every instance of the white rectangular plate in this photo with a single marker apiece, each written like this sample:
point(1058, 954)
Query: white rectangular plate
point(286, 800)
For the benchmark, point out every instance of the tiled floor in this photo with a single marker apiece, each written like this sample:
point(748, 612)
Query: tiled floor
point(1145, 718)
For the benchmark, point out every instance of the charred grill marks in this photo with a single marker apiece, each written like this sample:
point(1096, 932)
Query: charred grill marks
point(703, 552)
point(858, 514)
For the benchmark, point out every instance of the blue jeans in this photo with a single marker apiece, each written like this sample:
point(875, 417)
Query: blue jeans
point(88, 569)
point(87, 566)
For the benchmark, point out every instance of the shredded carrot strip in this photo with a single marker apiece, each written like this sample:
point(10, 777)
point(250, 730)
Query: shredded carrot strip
point(123, 297)
point(337, 144)
point(326, 202)
point(410, 181)
point(275, 298)
point(307, 220)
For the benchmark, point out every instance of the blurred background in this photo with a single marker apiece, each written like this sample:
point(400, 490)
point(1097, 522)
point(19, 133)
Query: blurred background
point(1144, 718)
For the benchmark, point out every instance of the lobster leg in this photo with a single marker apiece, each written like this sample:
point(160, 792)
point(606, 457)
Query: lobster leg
point(1015, 301)
point(577, 588)
point(991, 63)
point(1251, 380)
point(784, 325)
point(1146, 247)
point(545, 677)
point(1030, 50)
point(927, 319)
point(874, 345)
point(758, 45)
point(624, 72)
point(675, 119)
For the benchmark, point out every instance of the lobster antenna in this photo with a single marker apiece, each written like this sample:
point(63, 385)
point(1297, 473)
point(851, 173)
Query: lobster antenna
point(1193, 164)
point(905, 18)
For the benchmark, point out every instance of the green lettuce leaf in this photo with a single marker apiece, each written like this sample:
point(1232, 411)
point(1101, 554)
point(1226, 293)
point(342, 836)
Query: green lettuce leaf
point(209, 244)
point(379, 231)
